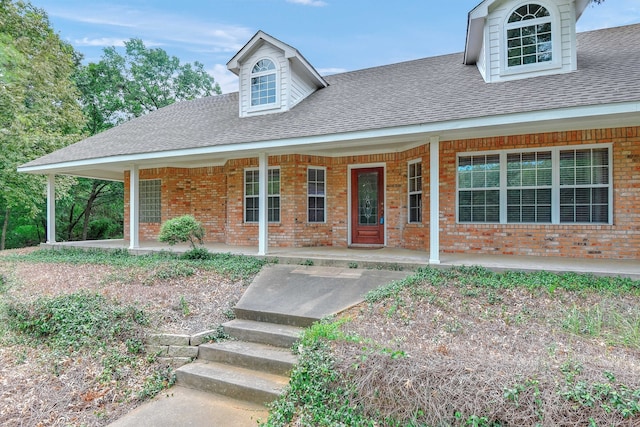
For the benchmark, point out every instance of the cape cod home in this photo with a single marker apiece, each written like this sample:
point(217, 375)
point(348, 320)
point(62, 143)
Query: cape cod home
point(527, 143)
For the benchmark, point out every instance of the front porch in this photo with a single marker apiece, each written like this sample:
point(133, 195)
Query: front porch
point(385, 258)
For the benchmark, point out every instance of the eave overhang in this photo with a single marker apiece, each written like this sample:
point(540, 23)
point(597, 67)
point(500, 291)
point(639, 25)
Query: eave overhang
point(394, 139)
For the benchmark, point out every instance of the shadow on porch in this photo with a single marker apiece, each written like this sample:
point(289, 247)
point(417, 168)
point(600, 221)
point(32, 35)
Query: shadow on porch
point(387, 258)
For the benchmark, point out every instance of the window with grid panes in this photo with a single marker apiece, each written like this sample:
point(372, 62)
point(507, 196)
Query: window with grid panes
point(479, 188)
point(263, 83)
point(529, 36)
point(553, 186)
point(529, 185)
point(150, 200)
point(252, 195)
point(584, 185)
point(415, 191)
point(316, 194)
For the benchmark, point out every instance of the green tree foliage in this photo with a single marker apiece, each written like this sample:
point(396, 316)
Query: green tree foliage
point(39, 112)
point(121, 87)
point(117, 88)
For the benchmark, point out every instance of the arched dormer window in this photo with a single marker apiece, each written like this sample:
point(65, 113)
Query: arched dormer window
point(529, 36)
point(263, 83)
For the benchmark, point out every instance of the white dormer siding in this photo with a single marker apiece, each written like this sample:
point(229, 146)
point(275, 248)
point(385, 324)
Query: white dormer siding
point(295, 78)
point(490, 53)
point(282, 81)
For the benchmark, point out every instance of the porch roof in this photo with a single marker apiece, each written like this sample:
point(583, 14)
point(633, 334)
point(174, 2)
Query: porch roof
point(381, 109)
point(386, 257)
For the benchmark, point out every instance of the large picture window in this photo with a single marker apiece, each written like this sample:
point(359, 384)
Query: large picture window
point(252, 195)
point(415, 191)
point(552, 186)
point(316, 194)
point(150, 200)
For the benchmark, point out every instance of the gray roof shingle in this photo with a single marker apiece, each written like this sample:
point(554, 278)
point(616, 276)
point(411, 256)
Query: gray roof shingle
point(422, 91)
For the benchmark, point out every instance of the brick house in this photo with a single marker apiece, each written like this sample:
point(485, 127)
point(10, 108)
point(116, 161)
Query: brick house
point(527, 143)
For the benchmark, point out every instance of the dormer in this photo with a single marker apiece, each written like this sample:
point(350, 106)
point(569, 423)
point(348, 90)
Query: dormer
point(273, 76)
point(516, 39)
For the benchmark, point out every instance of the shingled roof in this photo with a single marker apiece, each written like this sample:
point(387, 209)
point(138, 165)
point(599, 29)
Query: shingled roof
point(436, 90)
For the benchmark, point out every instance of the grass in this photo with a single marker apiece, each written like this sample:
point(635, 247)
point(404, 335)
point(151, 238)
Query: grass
point(164, 265)
point(462, 347)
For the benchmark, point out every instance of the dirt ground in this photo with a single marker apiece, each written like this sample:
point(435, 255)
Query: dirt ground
point(41, 388)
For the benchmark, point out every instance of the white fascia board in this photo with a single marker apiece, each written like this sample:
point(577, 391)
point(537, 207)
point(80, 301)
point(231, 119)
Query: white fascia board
point(438, 128)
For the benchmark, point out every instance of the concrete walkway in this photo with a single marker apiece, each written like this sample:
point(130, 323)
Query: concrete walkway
point(391, 257)
point(303, 293)
point(184, 407)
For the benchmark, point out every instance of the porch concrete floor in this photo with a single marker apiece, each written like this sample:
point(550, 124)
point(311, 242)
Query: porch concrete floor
point(389, 257)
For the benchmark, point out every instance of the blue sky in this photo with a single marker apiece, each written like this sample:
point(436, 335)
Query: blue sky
point(334, 35)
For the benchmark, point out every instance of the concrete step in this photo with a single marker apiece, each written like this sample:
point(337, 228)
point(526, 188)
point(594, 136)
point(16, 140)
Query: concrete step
point(260, 357)
point(244, 313)
point(264, 333)
point(231, 381)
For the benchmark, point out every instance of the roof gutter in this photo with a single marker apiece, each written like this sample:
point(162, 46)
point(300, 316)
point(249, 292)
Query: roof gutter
point(439, 128)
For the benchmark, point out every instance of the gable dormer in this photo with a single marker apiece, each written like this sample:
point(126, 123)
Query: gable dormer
point(273, 76)
point(516, 39)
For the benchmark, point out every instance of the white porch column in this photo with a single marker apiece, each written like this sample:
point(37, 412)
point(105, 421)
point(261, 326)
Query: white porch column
point(263, 205)
point(51, 208)
point(134, 207)
point(434, 200)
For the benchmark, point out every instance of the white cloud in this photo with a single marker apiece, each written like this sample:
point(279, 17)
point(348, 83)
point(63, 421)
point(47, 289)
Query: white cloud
point(100, 41)
point(331, 70)
point(152, 24)
point(226, 79)
point(316, 3)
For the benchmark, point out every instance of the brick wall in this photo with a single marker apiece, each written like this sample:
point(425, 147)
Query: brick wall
point(620, 240)
point(215, 196)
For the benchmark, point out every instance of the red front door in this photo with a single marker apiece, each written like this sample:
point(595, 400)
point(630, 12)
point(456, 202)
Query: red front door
point(367, 206)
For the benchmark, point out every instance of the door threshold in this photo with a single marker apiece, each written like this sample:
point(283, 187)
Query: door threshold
point(364, 246)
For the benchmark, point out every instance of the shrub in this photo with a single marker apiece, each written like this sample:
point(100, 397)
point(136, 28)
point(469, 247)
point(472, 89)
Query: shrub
point(182, 229)
point(196, 254)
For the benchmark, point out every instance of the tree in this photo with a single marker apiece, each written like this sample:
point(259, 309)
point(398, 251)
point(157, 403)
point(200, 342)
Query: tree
point(39, 112)
point(121, 87)
point(118, 88)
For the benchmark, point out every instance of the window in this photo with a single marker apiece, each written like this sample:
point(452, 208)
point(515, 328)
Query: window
point(415, 191)
point(529, 36)
point(479, 192)
point(150, 198)
point(263, 83)
point(529, 187)
point(316, 195)
point(554, 186)
point(584, 185)
point(252, 195)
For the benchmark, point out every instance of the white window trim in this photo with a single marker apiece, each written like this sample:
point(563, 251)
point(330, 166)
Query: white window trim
point(413, 193)
point(276, 71)
point(555, 186)
point(244, 190)
point(556, 42)
point(322, 168)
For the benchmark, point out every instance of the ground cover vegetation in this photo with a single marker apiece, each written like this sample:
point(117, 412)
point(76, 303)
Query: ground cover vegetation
point(73, 326)
point(470, 347)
